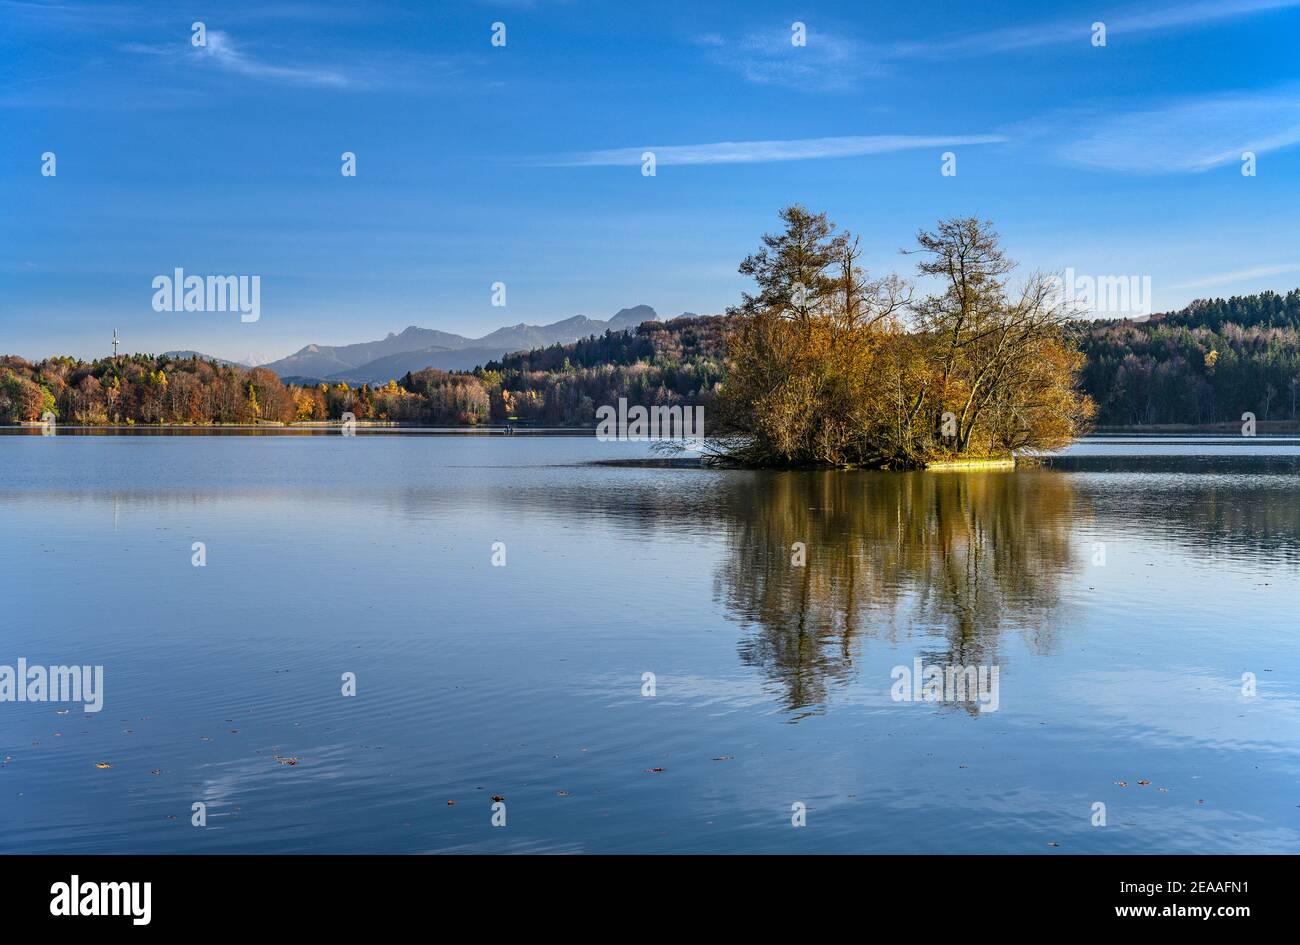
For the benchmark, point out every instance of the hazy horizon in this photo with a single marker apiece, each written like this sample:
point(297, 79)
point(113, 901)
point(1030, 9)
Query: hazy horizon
point(126, 348)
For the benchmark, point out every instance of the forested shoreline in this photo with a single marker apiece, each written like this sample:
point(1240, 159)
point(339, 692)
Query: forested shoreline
point(1202, 366)
point(678, 362)
point(1206, 364)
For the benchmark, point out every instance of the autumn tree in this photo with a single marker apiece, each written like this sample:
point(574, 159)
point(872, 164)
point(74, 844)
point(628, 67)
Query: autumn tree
point(801, 357)
point(1004, 371)
point(21, 399)
point(829, 367)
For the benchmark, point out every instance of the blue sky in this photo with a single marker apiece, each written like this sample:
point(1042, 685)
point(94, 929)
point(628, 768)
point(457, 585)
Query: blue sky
point(521, 164)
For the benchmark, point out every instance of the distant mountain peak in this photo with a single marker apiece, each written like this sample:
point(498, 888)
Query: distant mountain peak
point(188, 353)
point(417, 348)
point(631, 317)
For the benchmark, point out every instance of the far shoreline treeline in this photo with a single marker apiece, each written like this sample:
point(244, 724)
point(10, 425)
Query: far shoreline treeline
point(678, 362)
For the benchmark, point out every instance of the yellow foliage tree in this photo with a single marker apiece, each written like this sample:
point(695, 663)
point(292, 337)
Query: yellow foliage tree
point(827, 367)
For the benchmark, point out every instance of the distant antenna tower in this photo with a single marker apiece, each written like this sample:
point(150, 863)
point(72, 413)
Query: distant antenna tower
point(114, 344)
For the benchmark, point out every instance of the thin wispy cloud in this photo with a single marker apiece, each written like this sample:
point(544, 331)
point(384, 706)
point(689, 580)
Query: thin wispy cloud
point(1078, 30)
point(756, 152)
point(418, 73)
point(828, 62)
point(66, 15)
point(224, 54)
point(835, 60)
point(1185, 137)
point(1240, 275)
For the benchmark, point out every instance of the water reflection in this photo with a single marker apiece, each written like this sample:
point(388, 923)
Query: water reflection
point(1242, 507)
point(960, 557)
point(372, 555)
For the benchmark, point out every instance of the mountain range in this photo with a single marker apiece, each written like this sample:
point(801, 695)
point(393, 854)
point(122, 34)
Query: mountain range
point(377, 362)
point(187, 353)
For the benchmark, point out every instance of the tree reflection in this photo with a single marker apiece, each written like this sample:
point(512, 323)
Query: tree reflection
point(961, 557)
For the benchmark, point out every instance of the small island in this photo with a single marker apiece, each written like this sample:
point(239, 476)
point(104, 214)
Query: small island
point(830, 367)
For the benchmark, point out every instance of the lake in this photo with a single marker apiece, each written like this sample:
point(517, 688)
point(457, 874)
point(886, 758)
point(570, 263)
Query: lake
point(1123, 593)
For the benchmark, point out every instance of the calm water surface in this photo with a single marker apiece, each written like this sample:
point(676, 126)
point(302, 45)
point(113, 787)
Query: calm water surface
point(372, 555)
